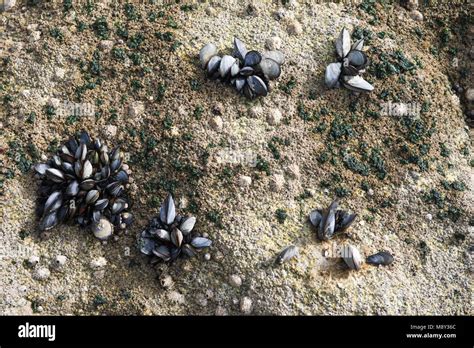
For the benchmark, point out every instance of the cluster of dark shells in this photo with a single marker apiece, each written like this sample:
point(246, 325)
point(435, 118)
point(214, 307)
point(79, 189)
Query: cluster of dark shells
point(249, 72)
point(169, 236)
point(330, 221)
point(84, 183)
point(352, 62)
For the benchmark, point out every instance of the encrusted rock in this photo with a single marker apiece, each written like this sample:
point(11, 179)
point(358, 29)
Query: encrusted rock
point(245, 181)
point(106, 45)
point(235, 280)
point(246, 305)
point(216, 123)
point(274, 117)
point(273, 43)
point(59, 73)
point(110, 130)
point(41, 273)
point(33, 260)
point(166, 281)
point(60, 260)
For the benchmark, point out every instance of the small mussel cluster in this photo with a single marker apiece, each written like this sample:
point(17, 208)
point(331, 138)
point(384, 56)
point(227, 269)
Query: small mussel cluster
point(248, 71)
point(85, 183)
point(330, 221)
point(351, 63)
point(170, 235)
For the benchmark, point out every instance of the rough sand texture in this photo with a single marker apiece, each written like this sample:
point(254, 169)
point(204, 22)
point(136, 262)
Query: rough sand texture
point(171, 146)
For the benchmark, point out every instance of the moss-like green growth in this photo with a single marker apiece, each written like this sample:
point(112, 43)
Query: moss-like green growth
point(281, 215)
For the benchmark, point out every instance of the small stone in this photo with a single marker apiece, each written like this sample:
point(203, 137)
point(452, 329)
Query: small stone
point(470, 94)
point(273, 43)
point(98, 263)
point(59, 73)
point(216, 123)
point(274, 117)
point(429, 217)
point(221, 311)
point(218, 109)
point(33, 260)
point(35, 36)
point(110, 130)
point(211, 11)
point(294, 27)
point(207, 256)
point(106, 45)
point(60, 260)
point(136, 109)
point(54, 102)
point(246, 305)
point(294, 171)
point(411, 4)
point(41, 273)
point(277, 182)
point(235, 281)
point(176, 297)
point(7, 5)
point(245, 181)
point(25, 93)
point(256, 111)
point(416, 15)
point(166, 281)
point(370, 192)
point(102, 229)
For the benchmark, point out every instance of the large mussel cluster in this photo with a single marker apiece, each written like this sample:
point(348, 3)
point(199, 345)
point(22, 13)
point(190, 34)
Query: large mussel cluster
point(170, 235)
point(85, 183)
point(351, 63)
point(248, 71)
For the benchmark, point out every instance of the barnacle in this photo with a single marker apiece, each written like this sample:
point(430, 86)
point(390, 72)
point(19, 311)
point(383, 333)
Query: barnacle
point(248, 71)
point(351, 63)
point(85, 183)
point(170, 235)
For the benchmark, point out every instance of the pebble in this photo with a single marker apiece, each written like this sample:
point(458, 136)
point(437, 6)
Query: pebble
point(294, 171)
point(246, 305)
point(274, 117)
point(235, 281)
point(106, 45)
point(273, 43)
point(98, 263)
point(33, 260)
point(416, 15)
point(175, 296)
point(207, 256)
point(60, 260)
point(54, 102)
point(41, 273)
point(22, 289)
point(216, 123)
point(59, 73)
point(218, 109)
point(370, 192)
point(429, 217)
point(221, 311)
point(166, 281)
point(294, 27)
point(277, 182)
point(256, 111)
point(245, 181)
point(470, 94)
point(110, 130)
point(35, 36)
point(7, 5)
point(211, 11)
point(135, 109)
point(411, 4)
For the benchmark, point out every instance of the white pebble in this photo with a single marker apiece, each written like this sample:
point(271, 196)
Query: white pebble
point(273, 43)
point(470, 94)
point(274, 117)
point(429, 217)
point(207, 256)
point(245, 181)
point(235, 281)
point(216, 123)
point(416, 15)
point(246, 305)
point(98, 263)
point(370, 192)
point(41, 273)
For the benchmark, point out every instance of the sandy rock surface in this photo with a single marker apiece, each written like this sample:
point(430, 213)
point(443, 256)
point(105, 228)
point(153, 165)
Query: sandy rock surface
point(250, 171)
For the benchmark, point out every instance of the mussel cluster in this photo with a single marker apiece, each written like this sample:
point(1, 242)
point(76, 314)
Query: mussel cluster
point(248, 71)
point(330, 221)
point(170, 235)
point(84, 183)
point(351, 63)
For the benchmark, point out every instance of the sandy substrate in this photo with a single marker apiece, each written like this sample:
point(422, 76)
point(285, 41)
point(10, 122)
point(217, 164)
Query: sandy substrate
point(174, 144)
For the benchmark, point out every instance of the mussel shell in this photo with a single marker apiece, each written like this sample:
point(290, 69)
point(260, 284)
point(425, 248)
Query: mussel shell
point(239, 83)
point(352, 257)
point(343, 43)
point(247, 71)
point(53, 202)
point(92, 196)
point(187, 224)
point(41, 168)
point(315, 218)
point(381, 258)
point(328, 222)
point(252, 58)
point(87, 184)
point(176, 237)
point(357, 59)
point(213, 65)
point(277, 56)
point(146, 245)
point(201, 242)
point(168, 211)
point(357, 83)
point(225, 66)
point(55, 175)
point(162, 252)
point(101, 204)
point(73, 188)
point(49, 221)
point(188, 250)
point(270, 68)
point(257, 85)
point(333, 72)
point(206, 53)
point(287, 254)
point(240, 51)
